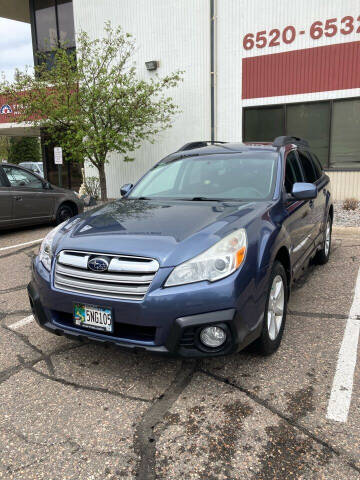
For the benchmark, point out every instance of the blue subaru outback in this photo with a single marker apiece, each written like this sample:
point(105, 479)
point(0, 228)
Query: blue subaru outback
point(197, 258)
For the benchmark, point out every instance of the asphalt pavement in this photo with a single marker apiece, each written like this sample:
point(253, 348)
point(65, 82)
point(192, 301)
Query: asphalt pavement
point(87, 411)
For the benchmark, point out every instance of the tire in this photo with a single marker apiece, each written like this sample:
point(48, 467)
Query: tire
point(273, 327)
point(322, 256)
point(64, 212)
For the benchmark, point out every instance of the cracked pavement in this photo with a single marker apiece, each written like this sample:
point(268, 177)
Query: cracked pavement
point(86, 411)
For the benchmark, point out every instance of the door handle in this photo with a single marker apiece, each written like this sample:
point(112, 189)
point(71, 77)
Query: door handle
point(18, 198)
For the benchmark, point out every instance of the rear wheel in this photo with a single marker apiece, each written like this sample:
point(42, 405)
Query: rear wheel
point(63, 213)
point(275, 311)
point(322, 256)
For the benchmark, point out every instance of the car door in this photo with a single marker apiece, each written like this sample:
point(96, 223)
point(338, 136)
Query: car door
point(298, 212)
point(317, 204)
point(321, 183)
point(5, 201)
point(31, 202)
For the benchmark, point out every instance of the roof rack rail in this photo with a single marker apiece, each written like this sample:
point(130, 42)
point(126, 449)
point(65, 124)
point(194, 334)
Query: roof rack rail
point(198, 144)
point(282, 141)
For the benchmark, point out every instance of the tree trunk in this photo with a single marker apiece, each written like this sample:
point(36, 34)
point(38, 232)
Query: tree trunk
point(102, 179)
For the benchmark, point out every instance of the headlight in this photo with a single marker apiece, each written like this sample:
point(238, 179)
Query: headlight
point(46, 252)
point(218, 262)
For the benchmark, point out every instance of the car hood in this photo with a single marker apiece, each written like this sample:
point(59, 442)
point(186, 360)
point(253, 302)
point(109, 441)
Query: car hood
point(170, 231)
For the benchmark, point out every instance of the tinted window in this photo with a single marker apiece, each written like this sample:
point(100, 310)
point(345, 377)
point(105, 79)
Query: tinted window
point(45, 22)
point(2, 180)
point(263, 124)
point(66, 23)
point(292, 172)
point(21, 178)
point(311, 121)
point(345, 136)
point(308, 168)
point(245, 176)
point(317, 165)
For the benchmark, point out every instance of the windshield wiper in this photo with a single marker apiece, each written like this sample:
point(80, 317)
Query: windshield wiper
point(205, 199)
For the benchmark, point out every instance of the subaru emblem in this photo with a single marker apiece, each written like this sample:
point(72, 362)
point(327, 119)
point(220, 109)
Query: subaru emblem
point(98, 264)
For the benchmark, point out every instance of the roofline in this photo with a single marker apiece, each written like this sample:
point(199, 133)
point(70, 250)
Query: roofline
point(18, 10)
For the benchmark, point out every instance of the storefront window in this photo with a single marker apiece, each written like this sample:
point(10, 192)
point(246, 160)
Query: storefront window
point(345, 134)
point(312, 122)
point(263, 124)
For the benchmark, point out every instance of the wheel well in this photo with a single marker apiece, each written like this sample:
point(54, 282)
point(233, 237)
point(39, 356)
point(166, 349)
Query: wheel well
point(70, 204)
point(331, 213)
point(284, 258)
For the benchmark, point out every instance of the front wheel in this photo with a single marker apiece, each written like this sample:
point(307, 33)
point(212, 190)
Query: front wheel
point(322, 256)
point(63, 213)
point(275, 311)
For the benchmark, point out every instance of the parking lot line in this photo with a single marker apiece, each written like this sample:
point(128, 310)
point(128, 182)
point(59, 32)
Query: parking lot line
point(22, 322)
point(21, 244)
point(340, 398)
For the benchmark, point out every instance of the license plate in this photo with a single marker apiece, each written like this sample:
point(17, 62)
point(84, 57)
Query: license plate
point(91, 316)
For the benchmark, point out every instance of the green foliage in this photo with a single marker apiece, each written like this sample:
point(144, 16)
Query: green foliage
point(24, 149)
point(92, 102)
point(4, 147)
point(92, 187)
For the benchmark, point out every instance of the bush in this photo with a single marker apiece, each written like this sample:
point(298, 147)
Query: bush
point(92, 187)
point(350, 204)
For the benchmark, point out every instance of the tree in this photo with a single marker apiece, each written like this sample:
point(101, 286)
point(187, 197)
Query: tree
point(4, 147)
point(92, 101)
point(24, 149)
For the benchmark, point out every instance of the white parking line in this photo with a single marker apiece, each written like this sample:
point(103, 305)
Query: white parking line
point(341, 391)
point(21, 244)
point(22, 322)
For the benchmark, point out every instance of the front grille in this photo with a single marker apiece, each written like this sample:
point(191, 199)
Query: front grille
point(125, 331)
point(126, 278)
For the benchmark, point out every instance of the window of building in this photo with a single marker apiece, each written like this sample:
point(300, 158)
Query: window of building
point(345, 134)
point(45, 23)
point(311, 121)
point(263, 124)
point(53, 23)
point(331, 128)
point(66, 23)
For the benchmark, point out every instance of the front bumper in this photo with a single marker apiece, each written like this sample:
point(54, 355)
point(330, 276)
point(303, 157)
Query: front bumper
point(166, 322)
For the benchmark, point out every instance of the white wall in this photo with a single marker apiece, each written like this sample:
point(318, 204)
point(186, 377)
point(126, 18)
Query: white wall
point(176, 33)
point(236, 18)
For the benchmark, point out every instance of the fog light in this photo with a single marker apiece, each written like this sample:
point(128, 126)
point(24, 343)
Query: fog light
point(213, 336)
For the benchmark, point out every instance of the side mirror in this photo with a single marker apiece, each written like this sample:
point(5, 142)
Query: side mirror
point(304, 191)
point(46, 185)
point(125, 189)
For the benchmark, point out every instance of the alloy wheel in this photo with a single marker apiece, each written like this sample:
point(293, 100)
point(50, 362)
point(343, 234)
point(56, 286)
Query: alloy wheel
point(276, 305)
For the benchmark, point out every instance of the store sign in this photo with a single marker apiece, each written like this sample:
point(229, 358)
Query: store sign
point(58, 156)
point(6, 109)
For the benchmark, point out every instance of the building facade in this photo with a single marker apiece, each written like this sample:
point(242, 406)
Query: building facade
point(253, 70)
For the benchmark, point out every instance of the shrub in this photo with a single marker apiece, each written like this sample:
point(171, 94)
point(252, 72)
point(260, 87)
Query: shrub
point(350, 204)
point(92, 187)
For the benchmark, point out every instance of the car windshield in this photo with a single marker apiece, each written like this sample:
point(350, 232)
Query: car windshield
point(241, 176)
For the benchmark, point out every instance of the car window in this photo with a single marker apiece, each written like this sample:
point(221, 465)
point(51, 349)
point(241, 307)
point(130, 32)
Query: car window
point(2, 180)
point(308, 167)
point(292, 172)
point(317, 165)
point(22, 178)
